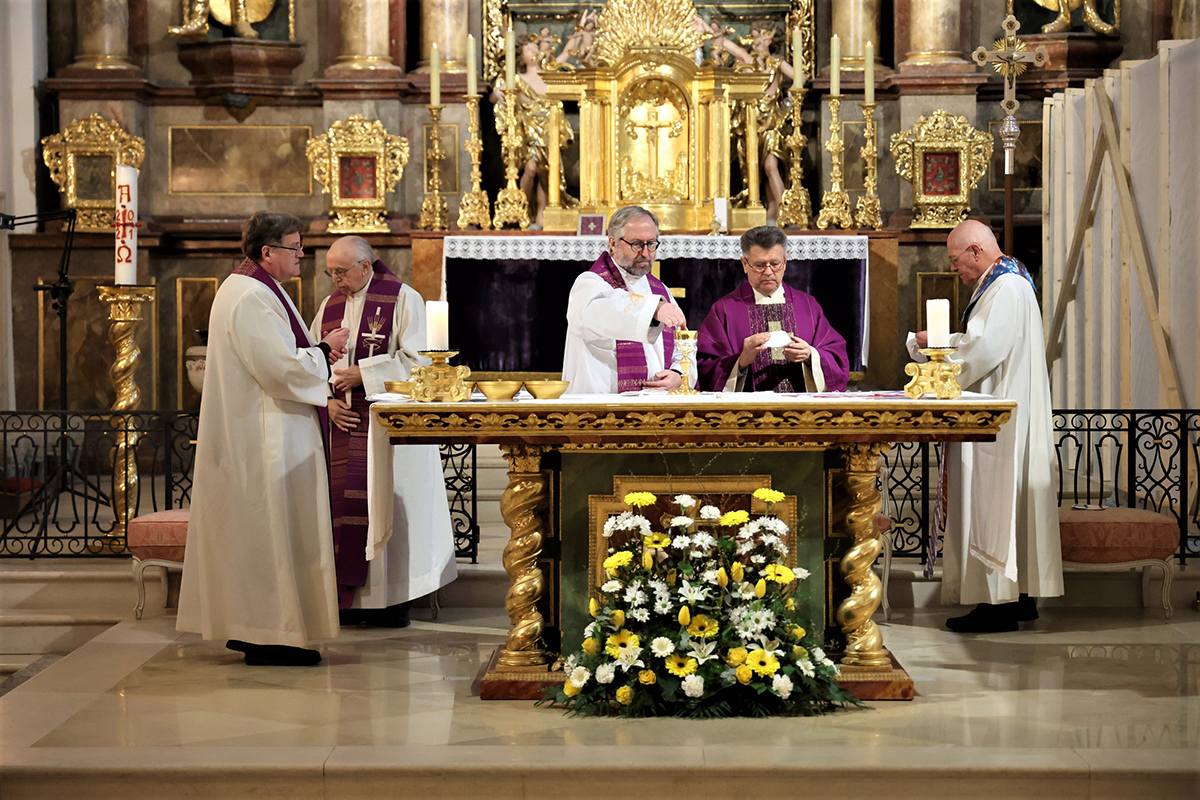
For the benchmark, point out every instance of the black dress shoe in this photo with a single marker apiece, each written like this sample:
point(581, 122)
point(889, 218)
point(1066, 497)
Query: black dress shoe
point(391, 617)
point(986, 618)
point(279, 655)
point(351, 616)
point(237, 644)
point(1026, 608)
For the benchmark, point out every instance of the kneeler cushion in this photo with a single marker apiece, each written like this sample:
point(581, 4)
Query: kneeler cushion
point(1113, 535)
point(161, 535)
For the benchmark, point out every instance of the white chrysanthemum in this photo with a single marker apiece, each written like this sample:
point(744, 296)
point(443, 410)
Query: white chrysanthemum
point(605, 673)
point(681, 542)
point(762, 619)
point(570, 663)
point(800, 572)
point(781, 684)
point(709, 576)
point(619, 522)
point(745, 632)
point(710, 512)
point(748, 530)
point(634, 596)
point(590, 631)
point(663, 607)
point(685, 500)
point(681, 522)
point(781, 550)
point(817, 654)
point(611, 587)
point(580, 676)
point(774, 525)
point(806, 667)
point(770, 540)
point(662, 647)
point(704, 540)
point(639, 614)
point(758, 558)
point(693, 686)
point(692, 593)
point(745, 547)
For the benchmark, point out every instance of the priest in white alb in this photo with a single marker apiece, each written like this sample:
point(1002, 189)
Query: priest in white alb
point(258, 568)
point(620, 318)
point(1001, 546)
point(386, 319)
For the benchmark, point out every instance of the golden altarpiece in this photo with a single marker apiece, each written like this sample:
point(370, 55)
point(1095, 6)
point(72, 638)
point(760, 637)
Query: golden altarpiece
point(654, 128)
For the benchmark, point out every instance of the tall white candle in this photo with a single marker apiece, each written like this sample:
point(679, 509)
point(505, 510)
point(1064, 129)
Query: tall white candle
point(797, 59)
point(510, 60)
point(937, 321)
point(437, 325)
point(835, 65)
point(471, 87)
point(435, 76)
point(869, 71)
point(126, 218)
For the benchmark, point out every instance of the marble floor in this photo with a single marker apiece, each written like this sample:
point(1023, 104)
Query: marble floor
point(1083, 704)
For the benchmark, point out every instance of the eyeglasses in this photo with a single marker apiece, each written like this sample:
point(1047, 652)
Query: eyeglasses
point(341, 273)
point(638, 247)
point(772, 266)
point(297, 249)
point(954, 259)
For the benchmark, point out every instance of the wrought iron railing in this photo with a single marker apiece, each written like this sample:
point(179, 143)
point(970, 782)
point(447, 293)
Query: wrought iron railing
point(57, 471)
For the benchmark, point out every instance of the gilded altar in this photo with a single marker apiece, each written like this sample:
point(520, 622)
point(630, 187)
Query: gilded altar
point(654, 128)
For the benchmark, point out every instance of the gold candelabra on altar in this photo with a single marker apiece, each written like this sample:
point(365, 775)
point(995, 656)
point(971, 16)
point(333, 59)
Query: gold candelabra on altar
point(835, 202)
point(474, 208)
point(936, 376)
point(434, 214)
point(795, 208)
point(867, 210)
point(439, 382)
point(512, 206)
point(124, 314)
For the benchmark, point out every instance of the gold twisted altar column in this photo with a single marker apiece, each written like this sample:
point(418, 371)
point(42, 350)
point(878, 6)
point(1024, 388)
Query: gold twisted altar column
point(524, 505)
point(102, 35)
point(444, 22)
point(856, 22)
point(864, 643)
point(935, 34)
point(364, 38)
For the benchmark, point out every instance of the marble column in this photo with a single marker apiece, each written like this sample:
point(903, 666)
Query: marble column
point(935, 29)
point(102, 34)
point(856, 22)
point(364, 41)
point(445, 22)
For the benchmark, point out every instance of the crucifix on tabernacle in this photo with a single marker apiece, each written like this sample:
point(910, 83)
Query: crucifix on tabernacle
point(652, 125)
point(1009, 57)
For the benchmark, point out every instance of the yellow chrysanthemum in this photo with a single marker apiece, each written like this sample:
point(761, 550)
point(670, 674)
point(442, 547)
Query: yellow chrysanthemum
point(762, 662)
point(736, 656)
point(640, 499)
point(744, 674)
point(760, 588)
point(737, 571)
point(621, 641)
point(656, 541)
point(685, 616)
point(625, 695)
point(733, 518)
point(680, 665)
point(618, 619)
point(798, 631)
point(769, 495)
point(570, 689)
point(702, 627)
point(621, 558)
point(779, 573)
point(647, 677)
point(591, 646)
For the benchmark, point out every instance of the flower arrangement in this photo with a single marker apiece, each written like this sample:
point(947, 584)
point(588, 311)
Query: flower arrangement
point(693, 624)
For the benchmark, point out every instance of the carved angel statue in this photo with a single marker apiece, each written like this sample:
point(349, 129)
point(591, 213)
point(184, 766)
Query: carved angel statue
point(579, 43)
point(1091, 16)
point(195, 24)
point(533, 124)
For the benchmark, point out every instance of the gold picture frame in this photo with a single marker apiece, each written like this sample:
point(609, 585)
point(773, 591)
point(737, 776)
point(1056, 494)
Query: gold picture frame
point(83, 160)
point(358, 164)
point(944, 158)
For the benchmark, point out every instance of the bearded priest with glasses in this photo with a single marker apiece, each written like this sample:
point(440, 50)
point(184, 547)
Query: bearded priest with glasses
point(621, 319)
point(765, 336)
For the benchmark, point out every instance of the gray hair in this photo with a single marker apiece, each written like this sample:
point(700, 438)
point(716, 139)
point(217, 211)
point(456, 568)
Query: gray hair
point(266, 228)
point(765, 236)
point(623, 216)
point(360, 248)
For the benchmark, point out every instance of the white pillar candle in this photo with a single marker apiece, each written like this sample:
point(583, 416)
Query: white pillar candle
point(126, 218)
point(437, 325)
point(471, 87)
point(797, 59)
point(435, 76)
point(510, 60)
point(869, 71)
point(835, 65)
point(937, 321)
point(721, 212)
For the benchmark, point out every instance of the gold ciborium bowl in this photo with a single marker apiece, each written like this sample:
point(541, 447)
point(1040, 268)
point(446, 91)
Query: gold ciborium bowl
point(398, 387)
point(499, 390)
point(547, 390)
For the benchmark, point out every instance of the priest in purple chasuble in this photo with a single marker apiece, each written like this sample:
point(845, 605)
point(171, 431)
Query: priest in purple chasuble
point(258, 570)
point(735, 348)
point(386, 320)
point(620, 318)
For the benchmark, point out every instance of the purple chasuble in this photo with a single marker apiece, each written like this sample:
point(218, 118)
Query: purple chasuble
point(632, 369)
point(347, 460)
point(736, 316)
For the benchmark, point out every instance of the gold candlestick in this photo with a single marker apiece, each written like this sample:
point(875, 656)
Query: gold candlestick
point(795, 208)
point(866, 212)
point(434, 214)
point(835, 202)
point(124, 312)
point(935, 376)
point(686, 342)
point(474, 208)
point(440, 382)
point(512, 206)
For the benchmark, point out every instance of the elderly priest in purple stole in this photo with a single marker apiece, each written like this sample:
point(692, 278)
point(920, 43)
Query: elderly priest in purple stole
point(258, 570)
point(387, 323)
point(620, 318)
point(736, 351)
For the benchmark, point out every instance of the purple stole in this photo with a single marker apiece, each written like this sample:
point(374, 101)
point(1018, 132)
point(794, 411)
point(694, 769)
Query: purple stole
point(252, 269)
point(631, 356)
point(770, 371)
point(347, 460)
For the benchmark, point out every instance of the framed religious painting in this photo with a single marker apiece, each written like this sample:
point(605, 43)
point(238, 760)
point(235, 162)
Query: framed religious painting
point(83, 161)
point(358, 163)
point(944, 158)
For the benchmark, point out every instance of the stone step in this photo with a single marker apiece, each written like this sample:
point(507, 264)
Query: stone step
point(39, 632)
point(102, 585)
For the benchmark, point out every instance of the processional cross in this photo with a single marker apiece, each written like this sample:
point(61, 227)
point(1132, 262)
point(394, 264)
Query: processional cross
point(1009, 57)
